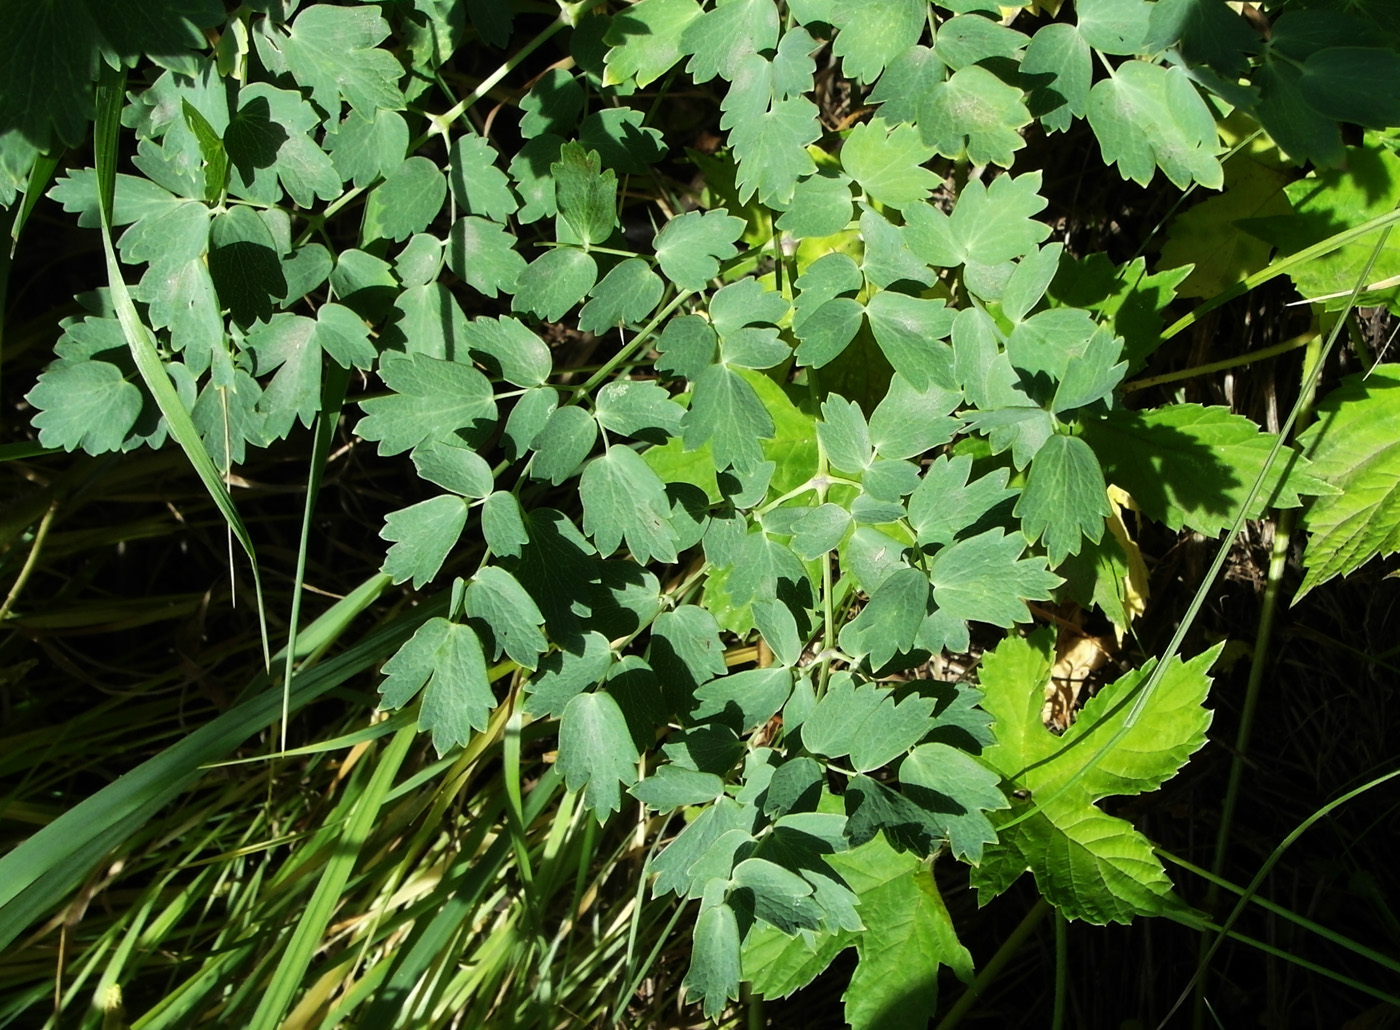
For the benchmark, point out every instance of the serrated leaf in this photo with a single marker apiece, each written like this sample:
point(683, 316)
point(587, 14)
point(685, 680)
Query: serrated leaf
point(1186, 465)
point(691, 246)
point(444, 660)
point(333, 52)
point(984, 578)
point(554, 282)
point(1093, 866)
point(406, 201)
point(623, 497)
point(483, 254)
point(431, 398)
point(772, 150)
point(596, 754)
point(1353, 447)
point(887, 162)
point(644, 40)
point(423, 534)
point(974, 115)
point(624, 297)
point(498, 599)
point(1147, 117)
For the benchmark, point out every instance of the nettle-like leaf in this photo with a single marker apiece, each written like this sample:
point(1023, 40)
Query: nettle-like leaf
point(1090, 865)
point(1352, 447)
point(1187, 465)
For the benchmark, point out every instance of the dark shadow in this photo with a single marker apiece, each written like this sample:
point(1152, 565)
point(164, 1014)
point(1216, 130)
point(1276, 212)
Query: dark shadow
point(253, 139)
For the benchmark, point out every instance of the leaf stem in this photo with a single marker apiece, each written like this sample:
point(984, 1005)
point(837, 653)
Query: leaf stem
point(1301, 340)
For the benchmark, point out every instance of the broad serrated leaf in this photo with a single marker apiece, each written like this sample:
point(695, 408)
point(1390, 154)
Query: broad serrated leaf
point(691, 246)
point(909, 934)
point(497, 598)
point(623, 498)
point(596, 753)
point(1186, 465)
point(444, 660)
point(1147, 117)
point(1095, 867)
point(431, 398)
point(423, 534)
point(1354, 446)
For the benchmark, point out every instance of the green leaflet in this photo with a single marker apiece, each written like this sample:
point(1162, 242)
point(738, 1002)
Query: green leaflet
point(1356, 454)
point(1090, 865)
